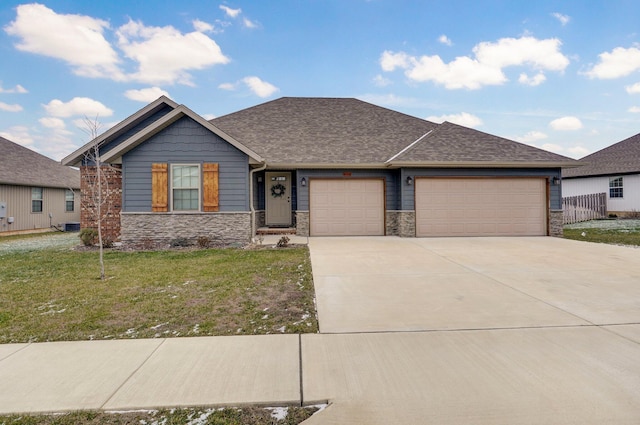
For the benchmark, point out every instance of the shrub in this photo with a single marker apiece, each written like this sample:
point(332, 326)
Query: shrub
point(88, 236)
point(180, 242)
point(283, 242)
point(204, 242)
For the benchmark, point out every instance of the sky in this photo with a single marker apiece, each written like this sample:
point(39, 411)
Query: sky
point(559, 75)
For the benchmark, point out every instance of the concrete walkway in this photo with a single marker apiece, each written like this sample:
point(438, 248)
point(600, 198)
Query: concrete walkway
point(520, 343)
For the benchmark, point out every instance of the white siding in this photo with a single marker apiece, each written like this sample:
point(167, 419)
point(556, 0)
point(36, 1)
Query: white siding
point(588, 185)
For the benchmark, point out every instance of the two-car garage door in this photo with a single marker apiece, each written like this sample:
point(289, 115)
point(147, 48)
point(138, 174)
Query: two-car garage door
point(481, 206)
point(444, 207)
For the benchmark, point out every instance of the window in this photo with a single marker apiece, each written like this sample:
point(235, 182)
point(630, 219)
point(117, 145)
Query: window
point(615, 187)
point(69, 199)
point(36, 199)
point(185, 187)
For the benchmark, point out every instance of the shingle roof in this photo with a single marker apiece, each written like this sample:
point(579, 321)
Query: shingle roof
point(323, 131)
point(22, 166)
point(328, 131)
point(620, 158)
point(454, 143)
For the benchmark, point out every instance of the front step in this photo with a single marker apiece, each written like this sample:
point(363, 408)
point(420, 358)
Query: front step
point(276, 231)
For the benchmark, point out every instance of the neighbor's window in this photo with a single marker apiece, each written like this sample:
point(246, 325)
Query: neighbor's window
point(185, 187)
point(69, 204)
point(36, 199)
point(615, 187)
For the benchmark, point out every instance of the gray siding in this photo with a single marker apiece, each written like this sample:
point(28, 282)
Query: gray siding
point(185, 141)
point(407, 192)
point(390, 176)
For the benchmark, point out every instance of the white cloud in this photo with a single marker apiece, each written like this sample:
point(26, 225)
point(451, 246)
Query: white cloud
point(381, 81)
point(634, 109)
point(259, 87)
point(51, 122)
point(633, 89)
point(75, 39)
point(389, 61)
point(485, 68)
point(464, 118)
point(566, 124)
point(248, 23)
point(530, 137)
point(164, 54)
point(78, 106)
point(563, 19)
point(208, 117)
point(578, 151)
point(445, 40)
point(10, 108)
point(620, 62)
point(536, 80)
point(19, 135)
point(202, 26)
point(17, 89)
point(147, 95)
point(227, 86)
point(232, 13)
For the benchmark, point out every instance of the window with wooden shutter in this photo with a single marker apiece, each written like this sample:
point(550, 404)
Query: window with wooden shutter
point(159, 188)
point(210, 186)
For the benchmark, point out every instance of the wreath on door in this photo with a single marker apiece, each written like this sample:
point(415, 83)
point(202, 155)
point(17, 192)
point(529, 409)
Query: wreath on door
point(278, 190)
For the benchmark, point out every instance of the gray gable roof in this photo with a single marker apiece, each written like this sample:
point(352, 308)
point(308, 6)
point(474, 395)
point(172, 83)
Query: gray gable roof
point(323, 131)
point(452, 143)
point(24, 167)
point(346, 131)
point(620, 158)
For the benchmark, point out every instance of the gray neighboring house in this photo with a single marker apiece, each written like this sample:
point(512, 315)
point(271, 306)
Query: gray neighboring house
point(36, 192)
point(322, 167)
point(614, 170)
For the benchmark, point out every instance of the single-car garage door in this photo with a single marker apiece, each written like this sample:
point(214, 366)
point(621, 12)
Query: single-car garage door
point(346, 207)
point(481, 206)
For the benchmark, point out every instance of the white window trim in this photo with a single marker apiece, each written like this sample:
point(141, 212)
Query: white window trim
point(611, 179)
point(171, 167)
point(73, 199)
point(41, 200)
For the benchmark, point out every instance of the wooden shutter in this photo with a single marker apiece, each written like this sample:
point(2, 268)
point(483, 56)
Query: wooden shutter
point(210, 184)
point(159, 188)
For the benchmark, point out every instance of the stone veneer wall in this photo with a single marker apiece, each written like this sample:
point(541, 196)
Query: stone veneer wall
point(158, 230)
point(111, 199)
point(555, 223)
point(260, 218)
point(302, 223)
point(401, 223)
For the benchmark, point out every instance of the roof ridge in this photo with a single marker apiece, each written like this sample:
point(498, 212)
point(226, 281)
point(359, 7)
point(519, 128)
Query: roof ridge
point(410, 145)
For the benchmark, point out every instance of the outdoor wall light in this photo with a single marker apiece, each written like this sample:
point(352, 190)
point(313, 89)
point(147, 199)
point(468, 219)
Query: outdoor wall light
point(303, 182)
point(555, 181)
point(409, 180)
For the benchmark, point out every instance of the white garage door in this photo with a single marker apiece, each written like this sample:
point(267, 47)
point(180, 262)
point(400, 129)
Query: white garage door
point(481, 206)
point(349, 207)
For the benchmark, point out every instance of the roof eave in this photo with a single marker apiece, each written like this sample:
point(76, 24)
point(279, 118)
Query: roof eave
point(484, 164)
point(75, 158)
point(162, 123)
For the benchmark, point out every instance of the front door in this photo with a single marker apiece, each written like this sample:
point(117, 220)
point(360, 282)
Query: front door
point(278, 199)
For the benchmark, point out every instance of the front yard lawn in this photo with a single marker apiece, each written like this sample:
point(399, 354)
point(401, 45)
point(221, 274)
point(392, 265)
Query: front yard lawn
point(55, 294)
point(617, 232)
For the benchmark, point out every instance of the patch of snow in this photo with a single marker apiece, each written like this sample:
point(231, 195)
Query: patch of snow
point(605, 224)
point(266, 316)
point(279, 413)
point(156, 327)
point(196, 329)
point(282, 329)
point(45, 241)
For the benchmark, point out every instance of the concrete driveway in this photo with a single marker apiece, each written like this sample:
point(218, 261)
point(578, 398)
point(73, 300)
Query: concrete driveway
point(499, 331)
point(410, 284)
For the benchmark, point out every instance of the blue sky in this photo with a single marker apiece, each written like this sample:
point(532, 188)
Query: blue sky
point(564, 76)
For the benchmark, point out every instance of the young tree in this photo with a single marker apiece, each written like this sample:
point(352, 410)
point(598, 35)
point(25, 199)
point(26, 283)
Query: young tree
point(94, 200)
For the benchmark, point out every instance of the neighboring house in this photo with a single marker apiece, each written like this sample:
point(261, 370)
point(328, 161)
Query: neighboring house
point(322, 166)
point(615, 171)
point(36, 192)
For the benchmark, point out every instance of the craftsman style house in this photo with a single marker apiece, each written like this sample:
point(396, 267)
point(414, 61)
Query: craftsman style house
point(320, 167)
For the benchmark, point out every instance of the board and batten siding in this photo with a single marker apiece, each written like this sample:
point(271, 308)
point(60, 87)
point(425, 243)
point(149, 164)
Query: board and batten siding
point(185, 142)
point(18, 200)
point(589, 185)
point(408, 193)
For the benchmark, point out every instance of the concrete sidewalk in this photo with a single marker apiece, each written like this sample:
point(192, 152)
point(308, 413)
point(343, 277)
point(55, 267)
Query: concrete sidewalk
point(150, 373)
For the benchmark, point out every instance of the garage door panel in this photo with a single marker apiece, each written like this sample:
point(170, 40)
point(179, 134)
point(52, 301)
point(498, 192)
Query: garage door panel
point(346, 207)
point(480, 206)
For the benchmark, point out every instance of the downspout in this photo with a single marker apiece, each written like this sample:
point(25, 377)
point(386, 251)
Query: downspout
point(251, 206)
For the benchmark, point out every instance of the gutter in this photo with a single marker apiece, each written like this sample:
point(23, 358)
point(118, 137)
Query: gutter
point(251, 206)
